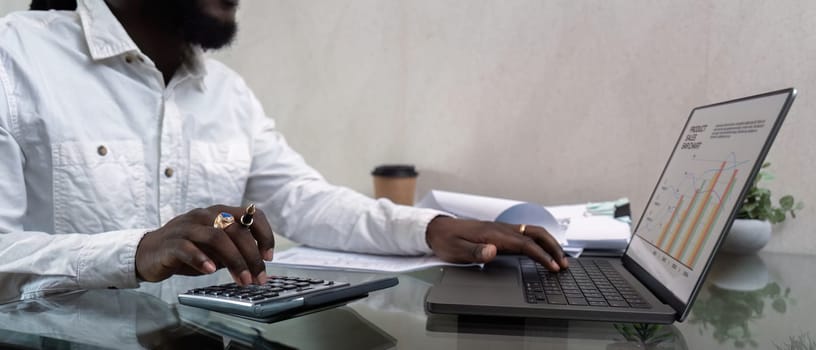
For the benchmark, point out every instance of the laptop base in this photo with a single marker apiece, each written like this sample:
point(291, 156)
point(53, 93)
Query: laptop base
point(497, 290)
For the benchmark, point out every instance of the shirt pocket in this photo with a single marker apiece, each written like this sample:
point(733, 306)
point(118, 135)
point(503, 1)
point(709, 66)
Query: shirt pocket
point(98, 187)
point(218, 173)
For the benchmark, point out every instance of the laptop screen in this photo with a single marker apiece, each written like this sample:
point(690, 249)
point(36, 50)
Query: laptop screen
point(698, 191)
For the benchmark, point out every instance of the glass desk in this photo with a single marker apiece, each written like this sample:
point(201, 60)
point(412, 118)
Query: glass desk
point(752, 302)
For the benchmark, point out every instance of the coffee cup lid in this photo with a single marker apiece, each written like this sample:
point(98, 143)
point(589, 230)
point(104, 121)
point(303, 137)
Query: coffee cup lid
point(395, 170)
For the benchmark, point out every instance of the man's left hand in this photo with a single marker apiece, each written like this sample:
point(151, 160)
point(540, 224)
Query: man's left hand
point(466, 241)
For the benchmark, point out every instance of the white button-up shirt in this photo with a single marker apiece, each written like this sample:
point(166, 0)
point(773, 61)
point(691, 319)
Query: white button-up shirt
point(97, 150)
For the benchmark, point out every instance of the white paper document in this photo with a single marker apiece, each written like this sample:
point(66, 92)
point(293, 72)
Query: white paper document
point(306, 257)
point(598, 232)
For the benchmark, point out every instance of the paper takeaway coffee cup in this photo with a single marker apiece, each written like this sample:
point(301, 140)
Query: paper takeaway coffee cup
point(396, 182)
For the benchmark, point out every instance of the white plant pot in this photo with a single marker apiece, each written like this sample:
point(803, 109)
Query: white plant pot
point(747, 236)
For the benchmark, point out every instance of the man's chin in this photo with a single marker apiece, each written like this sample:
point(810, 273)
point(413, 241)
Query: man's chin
point(209, 33)
point(209, 24)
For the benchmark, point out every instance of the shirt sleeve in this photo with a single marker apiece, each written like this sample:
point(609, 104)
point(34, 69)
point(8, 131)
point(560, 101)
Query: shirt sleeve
point(302, 206)
point(33, 264)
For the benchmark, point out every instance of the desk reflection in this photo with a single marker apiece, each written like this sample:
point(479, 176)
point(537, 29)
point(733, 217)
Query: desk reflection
point(740, 288)
point(612, 336)
point(760, 302)
point(97, 318)
point(151, 318)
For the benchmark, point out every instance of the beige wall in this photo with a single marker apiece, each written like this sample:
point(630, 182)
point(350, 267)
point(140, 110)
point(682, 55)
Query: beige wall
point(546, 101)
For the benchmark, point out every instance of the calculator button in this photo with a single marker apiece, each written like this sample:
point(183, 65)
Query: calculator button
point(315, 281)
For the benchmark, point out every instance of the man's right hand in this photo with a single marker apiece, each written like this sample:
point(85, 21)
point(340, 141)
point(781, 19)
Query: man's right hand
point(190, 245)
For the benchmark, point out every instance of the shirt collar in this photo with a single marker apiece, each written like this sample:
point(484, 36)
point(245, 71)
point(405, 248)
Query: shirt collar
point(196, 65)
point(104, 34)
point(107, 38)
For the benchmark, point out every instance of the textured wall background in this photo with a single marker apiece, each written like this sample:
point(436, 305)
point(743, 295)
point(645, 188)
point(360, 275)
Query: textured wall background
point(545, 101)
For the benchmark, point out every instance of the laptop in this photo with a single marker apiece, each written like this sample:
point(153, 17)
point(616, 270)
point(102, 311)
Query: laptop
point(719, 152)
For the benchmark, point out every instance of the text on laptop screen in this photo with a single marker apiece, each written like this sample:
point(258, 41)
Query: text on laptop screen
point(699, 189)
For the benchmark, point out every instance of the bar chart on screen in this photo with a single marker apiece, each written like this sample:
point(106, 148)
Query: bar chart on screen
point(718, 154)
point(688, 212)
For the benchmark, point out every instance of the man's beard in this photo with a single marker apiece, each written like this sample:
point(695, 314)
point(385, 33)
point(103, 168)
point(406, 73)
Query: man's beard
point(195, 26)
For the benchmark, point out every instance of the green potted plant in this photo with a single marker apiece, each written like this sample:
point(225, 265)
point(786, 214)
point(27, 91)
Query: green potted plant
point(751, 229)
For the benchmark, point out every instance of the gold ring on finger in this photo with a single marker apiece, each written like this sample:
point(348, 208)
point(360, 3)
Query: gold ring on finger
point(223, 220)
point(522, 229)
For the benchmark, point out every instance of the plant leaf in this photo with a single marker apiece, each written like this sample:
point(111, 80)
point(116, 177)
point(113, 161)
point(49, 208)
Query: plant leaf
point(776, 216)
point(786, 202)
point(749, 206)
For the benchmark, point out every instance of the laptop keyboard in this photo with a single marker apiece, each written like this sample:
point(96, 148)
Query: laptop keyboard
point(587, 282)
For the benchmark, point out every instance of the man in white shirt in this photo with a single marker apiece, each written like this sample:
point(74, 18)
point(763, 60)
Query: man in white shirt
point(114, 127)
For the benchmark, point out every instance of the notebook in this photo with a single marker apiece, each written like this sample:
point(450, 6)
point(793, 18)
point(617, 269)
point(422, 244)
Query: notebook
point(713, 163)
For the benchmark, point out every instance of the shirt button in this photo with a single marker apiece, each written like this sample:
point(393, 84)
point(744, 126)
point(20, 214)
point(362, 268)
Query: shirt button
point(102, 150)
point(168, 172)
point(129, 59)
